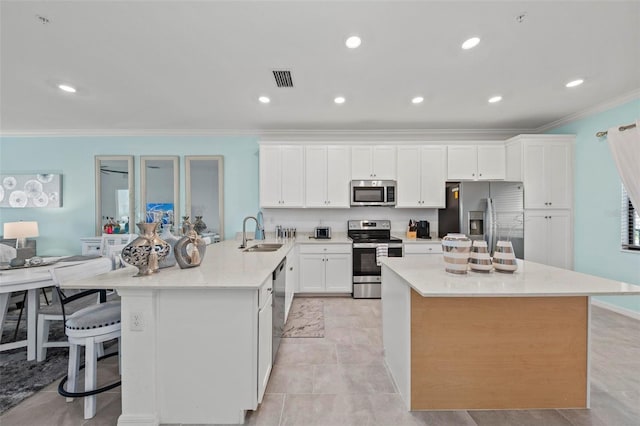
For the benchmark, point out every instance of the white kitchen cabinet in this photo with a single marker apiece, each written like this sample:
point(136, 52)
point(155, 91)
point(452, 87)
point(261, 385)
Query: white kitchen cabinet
point(327, 176)
point(544, 163)
point(265, 333)
point(476, 162)
point(281, 176)
point(325, 268)
point(419, 248)
point(421, 176)
point(291, 285)
point(376, 162)
point(548, 237)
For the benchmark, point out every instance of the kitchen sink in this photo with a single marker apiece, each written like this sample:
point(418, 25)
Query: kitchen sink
point(265, 247)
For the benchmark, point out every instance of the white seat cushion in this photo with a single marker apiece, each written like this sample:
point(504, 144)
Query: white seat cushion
point(95, 316)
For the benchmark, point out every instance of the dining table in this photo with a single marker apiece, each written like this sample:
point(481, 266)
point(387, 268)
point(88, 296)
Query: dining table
point(30, 279)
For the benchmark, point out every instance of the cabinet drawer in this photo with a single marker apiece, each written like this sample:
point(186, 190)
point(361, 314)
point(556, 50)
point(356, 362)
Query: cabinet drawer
point(264, 293)
point(325, 248)
point(434, 248)
point(89, 249)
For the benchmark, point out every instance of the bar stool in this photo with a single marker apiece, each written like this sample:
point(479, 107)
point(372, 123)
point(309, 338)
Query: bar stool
point(90, 327)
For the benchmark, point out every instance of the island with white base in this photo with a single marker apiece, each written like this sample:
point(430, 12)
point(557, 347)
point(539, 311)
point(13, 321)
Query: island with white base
point(489, 340)
point(196, 343)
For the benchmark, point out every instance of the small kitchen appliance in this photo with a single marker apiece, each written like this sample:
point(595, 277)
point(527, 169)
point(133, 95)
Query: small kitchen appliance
point(322, 232)
point(423, 229)
point(373, 193)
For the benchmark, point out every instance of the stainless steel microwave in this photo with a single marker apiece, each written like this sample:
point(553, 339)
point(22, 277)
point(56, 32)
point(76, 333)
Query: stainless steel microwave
point(373, 192)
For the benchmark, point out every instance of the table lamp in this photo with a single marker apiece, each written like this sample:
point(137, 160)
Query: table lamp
point(21, 231)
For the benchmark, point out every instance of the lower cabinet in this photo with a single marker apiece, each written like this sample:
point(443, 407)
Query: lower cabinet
point(265, 334)
point(325, 268)
point(548, 237)
point(291, 286)
point(411, 249)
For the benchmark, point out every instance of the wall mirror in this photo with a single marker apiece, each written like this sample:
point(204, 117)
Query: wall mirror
point(115, 192)
point(204, 183)
point(159, 189)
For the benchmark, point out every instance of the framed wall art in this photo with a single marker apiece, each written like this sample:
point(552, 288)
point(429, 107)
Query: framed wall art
point(30, 190)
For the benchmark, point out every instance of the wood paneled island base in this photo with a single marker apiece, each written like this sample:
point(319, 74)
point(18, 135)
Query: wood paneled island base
point(498, 352)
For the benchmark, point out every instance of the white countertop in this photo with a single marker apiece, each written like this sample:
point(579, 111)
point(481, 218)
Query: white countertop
point(426, 275)
point(224, 266)
point(336, 238)
point(406, 240)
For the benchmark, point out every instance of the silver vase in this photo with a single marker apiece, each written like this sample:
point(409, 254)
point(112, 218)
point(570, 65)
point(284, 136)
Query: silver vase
point(190, 249)
point(146, 251)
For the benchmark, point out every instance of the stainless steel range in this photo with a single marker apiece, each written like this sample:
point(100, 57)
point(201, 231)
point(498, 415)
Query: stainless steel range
point(367, 236)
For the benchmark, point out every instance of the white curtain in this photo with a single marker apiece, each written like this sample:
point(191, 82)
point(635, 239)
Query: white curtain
point(625, 147)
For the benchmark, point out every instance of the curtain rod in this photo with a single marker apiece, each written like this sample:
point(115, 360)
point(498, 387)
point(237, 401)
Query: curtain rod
point(621, 128)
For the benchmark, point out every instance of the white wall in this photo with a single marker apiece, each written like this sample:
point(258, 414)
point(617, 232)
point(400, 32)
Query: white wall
point(304, 220)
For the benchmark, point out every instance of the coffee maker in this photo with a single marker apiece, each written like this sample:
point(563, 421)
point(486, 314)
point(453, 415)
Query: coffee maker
point(423, 230)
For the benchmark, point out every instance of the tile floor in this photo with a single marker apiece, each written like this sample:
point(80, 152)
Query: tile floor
point(341, 380)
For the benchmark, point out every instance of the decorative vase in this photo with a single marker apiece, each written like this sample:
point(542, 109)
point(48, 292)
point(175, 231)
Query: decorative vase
point(504, 259)
point(455, 249)
point(185, 225)
point(479, 259)
point(146, 251)
point(169, 238)
point(199, 226)
point(190, 249)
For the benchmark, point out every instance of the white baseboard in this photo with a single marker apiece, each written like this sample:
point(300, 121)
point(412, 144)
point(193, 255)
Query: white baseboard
point(616, 309)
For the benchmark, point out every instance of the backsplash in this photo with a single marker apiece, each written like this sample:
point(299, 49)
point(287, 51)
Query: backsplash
point(305, 220)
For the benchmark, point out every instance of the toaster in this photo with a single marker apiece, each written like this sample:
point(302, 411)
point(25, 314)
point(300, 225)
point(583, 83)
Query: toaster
point(322, 232)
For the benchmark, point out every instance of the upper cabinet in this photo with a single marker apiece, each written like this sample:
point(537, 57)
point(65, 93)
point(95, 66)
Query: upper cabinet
point(281, 176)
point(327, 175)
point(476, 162)
point(421, 176)
point(544, 163)
point(376, 162)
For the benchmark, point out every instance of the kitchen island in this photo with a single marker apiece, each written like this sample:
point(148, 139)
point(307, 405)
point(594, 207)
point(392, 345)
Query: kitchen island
point(196, 343)
point(489, 340)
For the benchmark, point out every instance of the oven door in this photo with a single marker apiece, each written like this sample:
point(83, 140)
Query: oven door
point(365, 268)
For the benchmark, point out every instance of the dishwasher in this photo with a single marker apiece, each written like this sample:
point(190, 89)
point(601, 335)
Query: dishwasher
point(279, 283)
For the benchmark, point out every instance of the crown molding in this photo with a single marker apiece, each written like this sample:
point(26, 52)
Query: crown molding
point(289, 134)
point(607, 105)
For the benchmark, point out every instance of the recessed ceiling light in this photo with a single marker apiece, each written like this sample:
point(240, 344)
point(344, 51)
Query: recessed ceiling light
point(471, 43)
point(575, 83)
point(495, 99)
point(264, 99)
point(417, 100)
point(353, 42)
point(67, 88)
point(339, 100)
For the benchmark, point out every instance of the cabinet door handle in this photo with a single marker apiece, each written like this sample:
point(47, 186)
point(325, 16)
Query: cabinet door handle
point(291, 268)
point(480, 174)
point(473, 174)
point(269, 289)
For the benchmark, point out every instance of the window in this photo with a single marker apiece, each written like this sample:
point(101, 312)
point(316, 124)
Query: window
point(630, 224)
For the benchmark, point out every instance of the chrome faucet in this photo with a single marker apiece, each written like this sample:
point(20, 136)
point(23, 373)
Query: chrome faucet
point(244, 230)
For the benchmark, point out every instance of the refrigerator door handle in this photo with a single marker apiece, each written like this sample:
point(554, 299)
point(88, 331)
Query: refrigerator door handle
point(490, 226)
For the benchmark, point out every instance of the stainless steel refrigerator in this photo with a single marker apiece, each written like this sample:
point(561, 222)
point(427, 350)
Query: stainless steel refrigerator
point(489, 211)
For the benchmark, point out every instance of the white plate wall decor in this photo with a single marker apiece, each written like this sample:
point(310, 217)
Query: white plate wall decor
point(30, 190)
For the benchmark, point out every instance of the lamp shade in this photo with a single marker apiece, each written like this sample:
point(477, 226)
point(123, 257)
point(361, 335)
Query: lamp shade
point(20, 229)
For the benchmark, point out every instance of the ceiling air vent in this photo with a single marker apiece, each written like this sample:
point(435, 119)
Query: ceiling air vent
point(283, 78)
